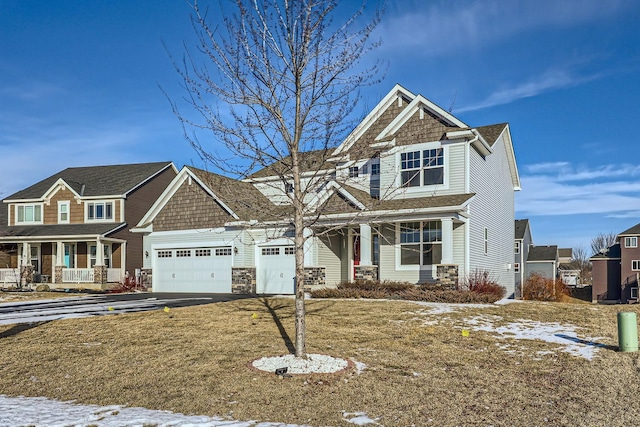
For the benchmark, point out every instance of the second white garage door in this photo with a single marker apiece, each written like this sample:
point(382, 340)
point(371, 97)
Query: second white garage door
point(206, 269)
point(276, 270)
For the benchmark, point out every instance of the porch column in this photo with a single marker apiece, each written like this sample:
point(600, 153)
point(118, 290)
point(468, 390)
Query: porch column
point(57, 275)
point(99, 252)
point(447, 241)
point(26, 253)
point(308, 245)
point(365, 245)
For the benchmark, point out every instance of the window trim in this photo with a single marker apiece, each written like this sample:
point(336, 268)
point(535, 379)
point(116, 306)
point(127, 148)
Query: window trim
point(106, 248)
point(67, 204)
point(635, 265)
point(517, 247)
point(516, 267)
point(30, 205)
point(421, 148)
point(375, 169)
point(354, 171)
point(92, 204)
point(398, 246)
point(486, 240)
point(628, 240)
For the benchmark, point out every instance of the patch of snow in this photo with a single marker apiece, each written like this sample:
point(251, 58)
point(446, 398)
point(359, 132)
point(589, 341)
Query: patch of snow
point(360, 418)
point(551, 332)
point(313, 364)
point(359, 366)
point(40, 411)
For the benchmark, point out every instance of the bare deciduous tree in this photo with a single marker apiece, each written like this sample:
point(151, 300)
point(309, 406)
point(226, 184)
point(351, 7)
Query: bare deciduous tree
point(602, 241)
point(580, 261)
point(275, 79)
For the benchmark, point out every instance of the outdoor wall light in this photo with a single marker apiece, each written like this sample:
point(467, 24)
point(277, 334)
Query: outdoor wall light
point(146, 254)
point(235, 250)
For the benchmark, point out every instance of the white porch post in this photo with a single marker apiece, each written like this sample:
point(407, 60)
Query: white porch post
point(99, 252)
point(447, 241)
point(365, 245)
point(60, 254)
point(308, 245)
point(123, 258)
point(26, 253)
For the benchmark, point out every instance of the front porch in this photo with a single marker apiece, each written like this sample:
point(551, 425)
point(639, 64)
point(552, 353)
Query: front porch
point(64, 264)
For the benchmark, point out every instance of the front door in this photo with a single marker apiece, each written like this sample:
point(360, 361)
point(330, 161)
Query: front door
point(69, 255)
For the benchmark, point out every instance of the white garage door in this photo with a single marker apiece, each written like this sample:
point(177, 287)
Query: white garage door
point(206, 269)
point(276, 270)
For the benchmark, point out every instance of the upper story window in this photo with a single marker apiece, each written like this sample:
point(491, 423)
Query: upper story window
point(424, 167)
point(516, 267)
point(517, 247)
point(375, 168)
point(99, 211)
point(63, 212)
point(353, 172)
point(421, 243)
point(630, 242)
point(29, 214)
point(635, 265)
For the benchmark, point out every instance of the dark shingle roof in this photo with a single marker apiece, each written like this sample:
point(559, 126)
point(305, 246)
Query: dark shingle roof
point(631, 231)
point(543, 253)
point(96, 180)
point(60, 230)
point(491, 133)
point(611, 252)
point(521, 227)
point(309, 161)
point(242, 198)
point(565, 252)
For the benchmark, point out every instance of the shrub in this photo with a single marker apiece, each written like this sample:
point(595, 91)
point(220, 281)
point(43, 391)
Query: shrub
point(539, 288)
point(481, 282)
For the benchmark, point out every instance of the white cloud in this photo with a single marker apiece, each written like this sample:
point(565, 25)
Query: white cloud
point(551, 80)
point(433, 30)
point(572, 190)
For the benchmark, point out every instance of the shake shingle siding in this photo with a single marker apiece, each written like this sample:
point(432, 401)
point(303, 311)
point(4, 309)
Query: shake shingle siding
point(493, 208)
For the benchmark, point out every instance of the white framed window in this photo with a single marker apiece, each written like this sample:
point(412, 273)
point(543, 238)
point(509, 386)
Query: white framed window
point(183, 253)
point(353, 172)
point(635, 265)
point(375, 168)
point(486, 240)
point(93, 258)
point(420, 243)
point(517, 247)
point(29, 214)
point(289, 250)
point(223, 252)
point(63, 212)
point(270, 251)
point(630, 242)
point(203, 252)
point(422, 168)
point(165, 254)
point(99, 211)
point(634, 293)
point(516, 267)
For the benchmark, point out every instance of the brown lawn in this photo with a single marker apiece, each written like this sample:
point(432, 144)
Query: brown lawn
point(420, 369)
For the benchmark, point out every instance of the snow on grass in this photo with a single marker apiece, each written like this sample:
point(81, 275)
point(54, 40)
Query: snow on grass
point(40, 411)
point(359, 418)
point(314, 363)
point(552, 332)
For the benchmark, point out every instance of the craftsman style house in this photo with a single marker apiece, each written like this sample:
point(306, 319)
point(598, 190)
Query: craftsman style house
point(72, 229)
point(412, 194)
point(616, 270)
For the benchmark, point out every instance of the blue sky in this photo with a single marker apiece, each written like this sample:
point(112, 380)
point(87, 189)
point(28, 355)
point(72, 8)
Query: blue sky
point(80, 85)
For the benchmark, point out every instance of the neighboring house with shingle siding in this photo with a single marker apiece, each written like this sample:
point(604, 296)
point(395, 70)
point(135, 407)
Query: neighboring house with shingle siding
point(412, 194)
point(523, 241)
point(616, 270)
point(72, 229)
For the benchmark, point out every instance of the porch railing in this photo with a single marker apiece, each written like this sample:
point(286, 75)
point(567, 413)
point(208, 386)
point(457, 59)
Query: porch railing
point(9, 275)
point(77, 275)
point(114, 275)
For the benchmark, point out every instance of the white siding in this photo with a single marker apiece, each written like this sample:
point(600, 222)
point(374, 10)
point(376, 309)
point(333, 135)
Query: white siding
point(459, 252)
point(329, 250)
point(492, 207)
point(387, 268)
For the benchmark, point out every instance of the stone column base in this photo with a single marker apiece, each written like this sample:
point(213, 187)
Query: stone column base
point(447, 276)
point(99, 274)
point(366, 272)
point(243, 280)
point(314, 277)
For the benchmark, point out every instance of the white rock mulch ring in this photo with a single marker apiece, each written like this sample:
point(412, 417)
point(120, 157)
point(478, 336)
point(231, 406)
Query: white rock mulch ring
point(313, 364)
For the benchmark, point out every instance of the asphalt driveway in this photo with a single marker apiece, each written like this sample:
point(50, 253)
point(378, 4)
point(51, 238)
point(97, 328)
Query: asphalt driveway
point(103, 304)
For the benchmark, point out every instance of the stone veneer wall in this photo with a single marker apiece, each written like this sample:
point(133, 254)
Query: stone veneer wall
point(243, 280)
point(314, 276)
point(57, 278)
point(447, 276)
point(99, 274)
point(366, 272)
point(26, 274)
point(146, 277)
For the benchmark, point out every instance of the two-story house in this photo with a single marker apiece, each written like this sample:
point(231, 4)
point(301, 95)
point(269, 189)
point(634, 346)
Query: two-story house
point(72, 228)
point(542, 260)
point(523, 241)
point(616, 270)
point(412, 194)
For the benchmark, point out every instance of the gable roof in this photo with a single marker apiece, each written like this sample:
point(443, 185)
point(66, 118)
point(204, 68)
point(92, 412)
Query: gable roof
point(114, 180)
point(491, 133)
point(309, 161)
point(612, 252)
point(635, 230)
point(543, 253)
point(521, 226)
point(565, 253)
